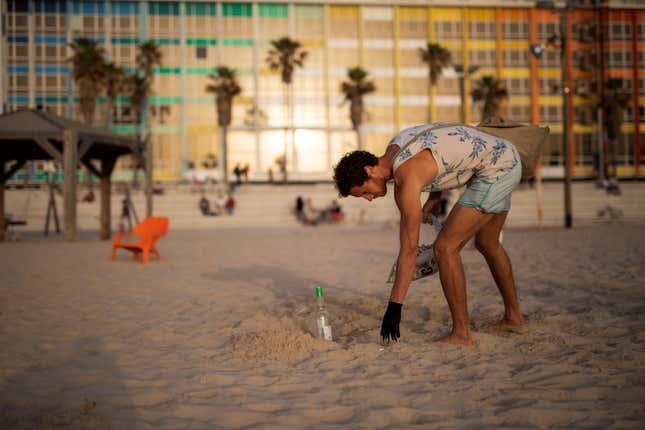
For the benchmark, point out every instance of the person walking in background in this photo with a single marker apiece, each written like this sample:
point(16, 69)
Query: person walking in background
point(441, 157)
point(237, 171)
point(245, 171)
point(125, 216)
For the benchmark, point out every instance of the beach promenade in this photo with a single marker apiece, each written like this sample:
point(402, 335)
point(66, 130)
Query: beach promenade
point(271, 206)
point(217, 335)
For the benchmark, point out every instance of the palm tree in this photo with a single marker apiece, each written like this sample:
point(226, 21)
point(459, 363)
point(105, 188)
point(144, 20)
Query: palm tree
point(114, 80)
point(225, 87)
point(88, 60)
point(354, 90)
point(148, 56)
point(437, 58)
point(137, 89)
point(615, 100)
point(490, 92)
point(285, 55)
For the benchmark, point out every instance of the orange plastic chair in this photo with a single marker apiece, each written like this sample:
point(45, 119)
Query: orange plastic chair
point(148, 231)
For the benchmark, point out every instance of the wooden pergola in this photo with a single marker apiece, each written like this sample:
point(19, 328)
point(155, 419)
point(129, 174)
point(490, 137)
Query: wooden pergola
point(37, 135)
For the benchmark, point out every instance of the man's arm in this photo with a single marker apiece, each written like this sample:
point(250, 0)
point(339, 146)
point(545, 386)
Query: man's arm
point(407, 199)
point(406, 194)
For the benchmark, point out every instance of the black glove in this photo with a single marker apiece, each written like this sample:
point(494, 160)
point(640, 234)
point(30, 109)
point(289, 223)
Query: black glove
point(391, 321)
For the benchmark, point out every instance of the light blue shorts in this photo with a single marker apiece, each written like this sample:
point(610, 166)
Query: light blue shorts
point(491, 197)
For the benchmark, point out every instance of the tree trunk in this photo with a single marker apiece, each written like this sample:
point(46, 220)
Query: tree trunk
point(430, 103)
point(286, 134)
point(223, 141)
point(359, 136)
point(108, 115)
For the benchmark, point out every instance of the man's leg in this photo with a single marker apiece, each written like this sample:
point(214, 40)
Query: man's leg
point(487, 242)
point(462, 223)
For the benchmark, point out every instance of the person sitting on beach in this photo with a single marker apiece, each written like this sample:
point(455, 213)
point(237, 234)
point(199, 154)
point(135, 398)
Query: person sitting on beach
point(205, 207)
point(230, 204)
point(441, 157)
point(220, 202)
point(334, 212)
point(310, 215)
point(299, 207)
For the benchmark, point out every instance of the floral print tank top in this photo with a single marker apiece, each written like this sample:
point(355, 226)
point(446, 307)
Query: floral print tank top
point(461, 152)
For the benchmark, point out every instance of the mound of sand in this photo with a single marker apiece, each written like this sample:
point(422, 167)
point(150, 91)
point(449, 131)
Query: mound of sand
point(277, 345)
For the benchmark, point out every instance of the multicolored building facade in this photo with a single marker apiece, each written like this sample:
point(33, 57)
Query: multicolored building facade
point(605, 39)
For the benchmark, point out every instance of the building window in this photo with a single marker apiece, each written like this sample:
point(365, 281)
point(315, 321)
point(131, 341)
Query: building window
point(584, 115)
point(515, 58)
point(626, 150)
point(18, 83)
point(584, 149)
point(550, 113)
point(549, 86)
point(621, 31)
point(546, 29)
point(550, 58)
point(448, 30)
point(161, 113)
point(520, 113)
point(515, 30)
point(123, 114)
point(201, 52)
point(483, 57)
point(620, 59)
point(585, 60)
point(584, 31)
point(18, 52)
point(482, 30)
point(518, 86)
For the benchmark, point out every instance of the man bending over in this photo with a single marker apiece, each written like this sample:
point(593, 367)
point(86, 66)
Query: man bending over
point(437, 157)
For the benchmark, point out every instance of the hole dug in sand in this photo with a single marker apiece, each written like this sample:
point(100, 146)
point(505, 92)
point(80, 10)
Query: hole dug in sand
point(277, 345)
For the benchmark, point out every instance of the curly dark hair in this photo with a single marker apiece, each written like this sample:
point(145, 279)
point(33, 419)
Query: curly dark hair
point(350, 170)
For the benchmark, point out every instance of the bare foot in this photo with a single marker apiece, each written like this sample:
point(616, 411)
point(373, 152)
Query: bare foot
point(512, 324)
point(456, 340)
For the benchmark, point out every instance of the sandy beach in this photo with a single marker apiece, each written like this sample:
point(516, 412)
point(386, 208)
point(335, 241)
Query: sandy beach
point(218, 334)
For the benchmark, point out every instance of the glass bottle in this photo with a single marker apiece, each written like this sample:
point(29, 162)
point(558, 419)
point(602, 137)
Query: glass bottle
point(323, 323)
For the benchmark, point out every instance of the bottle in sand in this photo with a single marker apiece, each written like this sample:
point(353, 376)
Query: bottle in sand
point(323, 324)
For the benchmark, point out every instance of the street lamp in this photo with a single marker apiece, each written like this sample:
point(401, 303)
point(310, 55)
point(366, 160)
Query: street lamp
point(537, 50)
point(459, 70)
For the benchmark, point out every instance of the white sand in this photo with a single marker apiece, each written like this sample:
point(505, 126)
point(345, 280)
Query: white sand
point(217, 335)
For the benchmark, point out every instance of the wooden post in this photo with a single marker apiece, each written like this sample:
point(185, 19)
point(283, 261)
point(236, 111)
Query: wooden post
point(107, 166)
point(4, 177)
point(70, 163)
point(148, 187)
